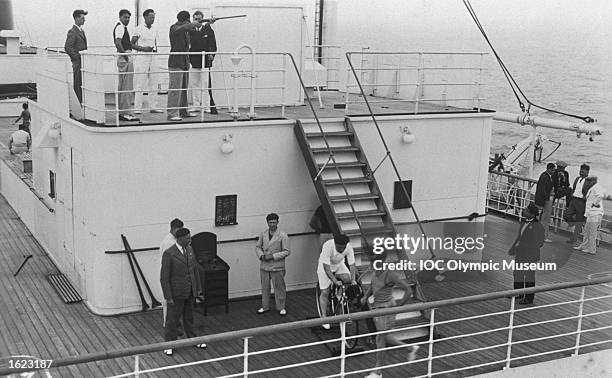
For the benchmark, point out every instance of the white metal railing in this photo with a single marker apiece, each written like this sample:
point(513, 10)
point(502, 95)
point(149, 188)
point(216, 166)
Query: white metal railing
point(511, 350)
point(329, 57)
point(239, 83)
point(418, 77)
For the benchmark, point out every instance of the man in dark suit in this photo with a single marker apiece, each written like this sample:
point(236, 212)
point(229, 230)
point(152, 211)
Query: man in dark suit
point(542, 199)
point(180, 280)
point(202, 39)
point(526, 249)
point(75, 42)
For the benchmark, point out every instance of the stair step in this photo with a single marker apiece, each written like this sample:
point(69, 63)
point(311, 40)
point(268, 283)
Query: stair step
point(347, 164)
point(318, 134)
point(369, 231)
point(354, 197)
point(335, 149)
point(353, 180)
point(369, 213)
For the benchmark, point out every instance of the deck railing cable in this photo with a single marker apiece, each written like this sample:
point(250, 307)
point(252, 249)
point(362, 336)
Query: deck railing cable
point(435, 306)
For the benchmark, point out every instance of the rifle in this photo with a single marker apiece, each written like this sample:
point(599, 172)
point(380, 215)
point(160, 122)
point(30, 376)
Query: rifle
point(222, 18)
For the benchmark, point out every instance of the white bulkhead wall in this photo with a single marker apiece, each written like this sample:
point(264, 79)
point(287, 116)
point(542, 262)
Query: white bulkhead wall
point(134, 180)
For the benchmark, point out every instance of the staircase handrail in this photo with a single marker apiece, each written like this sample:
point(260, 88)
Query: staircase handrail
point(331, 154)
point(388, 152)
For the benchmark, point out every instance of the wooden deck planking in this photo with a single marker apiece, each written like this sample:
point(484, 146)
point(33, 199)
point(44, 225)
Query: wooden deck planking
point(71, 329)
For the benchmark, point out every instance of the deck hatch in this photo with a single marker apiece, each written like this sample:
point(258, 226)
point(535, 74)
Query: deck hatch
point(64, 288)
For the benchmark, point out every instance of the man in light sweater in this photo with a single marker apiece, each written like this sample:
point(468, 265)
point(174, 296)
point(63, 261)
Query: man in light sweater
point(593, 212)
point(272, 248)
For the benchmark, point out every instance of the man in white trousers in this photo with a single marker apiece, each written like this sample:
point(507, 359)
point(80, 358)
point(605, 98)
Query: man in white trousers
point(145, 65)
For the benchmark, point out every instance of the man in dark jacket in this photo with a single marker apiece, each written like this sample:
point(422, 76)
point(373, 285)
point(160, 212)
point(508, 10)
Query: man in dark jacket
point(543, 201)
point(180, 281)
point(202, 39)
point(178, 66)
point(526, 249)
point(75, 42)
point(561, 183)
point(574, 215)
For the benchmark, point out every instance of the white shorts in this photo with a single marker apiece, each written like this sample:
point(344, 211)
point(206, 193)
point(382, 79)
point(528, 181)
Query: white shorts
point(324, 281)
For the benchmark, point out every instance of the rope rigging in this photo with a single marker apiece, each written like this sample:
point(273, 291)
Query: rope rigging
point(513, 84)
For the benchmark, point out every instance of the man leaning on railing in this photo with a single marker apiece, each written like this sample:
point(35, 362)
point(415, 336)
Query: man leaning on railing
point(125, 65)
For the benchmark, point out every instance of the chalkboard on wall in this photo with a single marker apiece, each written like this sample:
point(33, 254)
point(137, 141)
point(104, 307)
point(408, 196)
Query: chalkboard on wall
point(225, 210)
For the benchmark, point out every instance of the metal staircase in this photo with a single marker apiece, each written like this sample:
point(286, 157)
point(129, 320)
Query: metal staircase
point(352, 200)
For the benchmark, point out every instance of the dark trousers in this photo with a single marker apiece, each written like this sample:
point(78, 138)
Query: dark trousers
point(182, 308)
point(524, 279)
point(76, 78)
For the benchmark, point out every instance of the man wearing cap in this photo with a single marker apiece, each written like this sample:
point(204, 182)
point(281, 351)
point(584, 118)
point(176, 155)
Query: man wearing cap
point(125, 65)
point(594, 210)
point(574, 215)
point(75, 42)
point(542, 199)
point(144, 40)
point(272, 248)
point(168, 241)
point(180, 281)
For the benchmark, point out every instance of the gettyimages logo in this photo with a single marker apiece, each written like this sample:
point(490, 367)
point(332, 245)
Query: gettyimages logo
point(411, 244)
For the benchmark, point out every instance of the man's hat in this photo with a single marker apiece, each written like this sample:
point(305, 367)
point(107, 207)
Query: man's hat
point(78, 12)
point(561, 163)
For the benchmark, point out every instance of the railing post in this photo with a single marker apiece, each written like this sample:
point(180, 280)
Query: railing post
point(398, 77)
point(579, 329)
point(432, 323)
point(348, 80)
point(419, 87)
point(342, 348)
point(137, 365)
point(284, 86)
point(510, 327)
point(479, 82)
point(245, 366)
point(116, 92)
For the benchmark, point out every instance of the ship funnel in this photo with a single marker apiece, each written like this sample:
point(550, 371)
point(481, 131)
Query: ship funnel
point(6, 17)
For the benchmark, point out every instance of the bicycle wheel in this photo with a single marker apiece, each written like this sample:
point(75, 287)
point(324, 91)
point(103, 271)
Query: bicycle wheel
point(351, 327)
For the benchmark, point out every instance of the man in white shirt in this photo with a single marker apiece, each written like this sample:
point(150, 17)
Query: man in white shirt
point(331, 269)
point(574, 215)
point(20, 141)
point(594, 210)
point(145, 65)
point(125, 67)
point(168, 242)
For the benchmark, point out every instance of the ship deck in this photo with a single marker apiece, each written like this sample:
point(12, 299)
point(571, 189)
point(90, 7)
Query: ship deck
point(35, 321)
point(332, 105)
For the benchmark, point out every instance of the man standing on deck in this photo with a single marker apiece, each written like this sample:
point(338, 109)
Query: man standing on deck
point(169, 241)
point(75, 42)
point(25, 117)
point(543, 201)
point(594, 210)
point(202, 39)
point(526, 249)
point(125, 66)
point(145, 40)
point(272, 248)
point(178, 66)
point(180, 280)
point(575, 211)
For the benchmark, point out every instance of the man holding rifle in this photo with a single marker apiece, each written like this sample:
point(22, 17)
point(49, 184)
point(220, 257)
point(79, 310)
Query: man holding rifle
point(178, 65)
point(202, 39)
